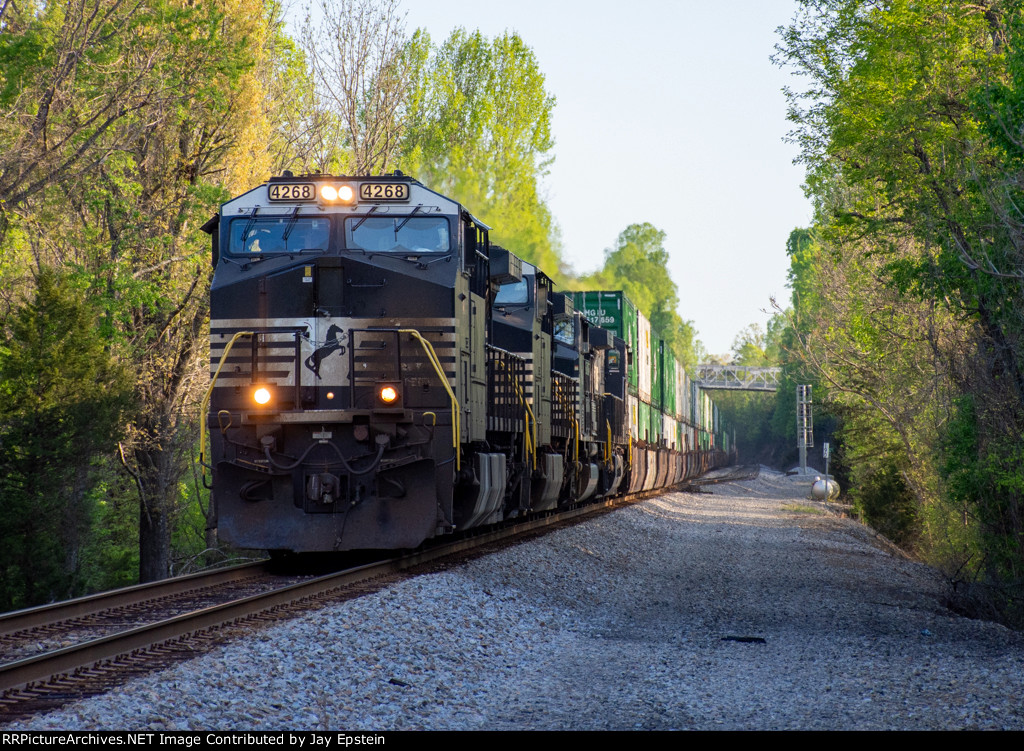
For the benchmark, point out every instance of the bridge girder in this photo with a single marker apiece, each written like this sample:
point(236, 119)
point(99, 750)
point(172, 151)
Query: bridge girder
point(738, 378)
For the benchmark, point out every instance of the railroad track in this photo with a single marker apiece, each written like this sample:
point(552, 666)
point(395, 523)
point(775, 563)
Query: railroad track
point(24, 633)
point(152, 626)
point(726, 474)
point(48, 644)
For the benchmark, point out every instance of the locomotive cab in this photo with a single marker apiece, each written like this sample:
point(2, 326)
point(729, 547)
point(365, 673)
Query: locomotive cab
point(340, 338)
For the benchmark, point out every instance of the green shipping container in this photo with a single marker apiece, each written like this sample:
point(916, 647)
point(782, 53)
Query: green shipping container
point(667, 379)
point(645, 422)
point(657, 372)
point(657, 425)
point(615, 312)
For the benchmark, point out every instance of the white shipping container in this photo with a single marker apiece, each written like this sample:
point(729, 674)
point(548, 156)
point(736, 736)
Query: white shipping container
point(644, 355)
point(669, 431)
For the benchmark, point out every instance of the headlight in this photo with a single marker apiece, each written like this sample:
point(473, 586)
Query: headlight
point(388, 394)
point(261, 396)
point(338, 193)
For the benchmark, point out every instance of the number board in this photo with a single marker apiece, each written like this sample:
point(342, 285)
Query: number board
point(291, 192)
point(384, 192)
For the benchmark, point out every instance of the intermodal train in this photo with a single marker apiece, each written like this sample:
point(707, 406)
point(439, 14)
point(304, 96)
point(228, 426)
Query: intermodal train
point(382, 374)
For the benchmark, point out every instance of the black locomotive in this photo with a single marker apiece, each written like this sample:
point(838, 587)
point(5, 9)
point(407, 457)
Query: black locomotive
point(382, 374)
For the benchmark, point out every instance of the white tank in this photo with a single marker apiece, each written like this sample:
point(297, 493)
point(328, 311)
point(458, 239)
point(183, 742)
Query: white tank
point(821, 488)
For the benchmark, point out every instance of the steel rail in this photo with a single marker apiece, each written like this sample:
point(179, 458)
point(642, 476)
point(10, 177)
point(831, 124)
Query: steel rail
point(54, 613)
point(37, 669)
point(31, 670)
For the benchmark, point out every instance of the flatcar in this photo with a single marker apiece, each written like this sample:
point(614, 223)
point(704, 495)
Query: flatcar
point(382, 374)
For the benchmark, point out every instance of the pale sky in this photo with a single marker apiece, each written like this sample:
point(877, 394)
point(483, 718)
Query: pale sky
point(669, 113)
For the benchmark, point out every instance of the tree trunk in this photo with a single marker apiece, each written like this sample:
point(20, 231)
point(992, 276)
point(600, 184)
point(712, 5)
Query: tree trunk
point(158, 490)
point(154, 543)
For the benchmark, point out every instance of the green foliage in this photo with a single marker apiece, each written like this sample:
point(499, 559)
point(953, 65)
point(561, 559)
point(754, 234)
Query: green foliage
point(305, 136)
point(110, 551)
point(637, 264)
point(749, 347)
point(984, 474)
point(802, 508)
point(63, 400)
point(978, 525)
point(479, 130)
point(749, 415)
point(109, 163)
point(756, 347)
point(906, 291)
point(775, 337)
point(803, 251)
point(876, 482)
point(121, 129)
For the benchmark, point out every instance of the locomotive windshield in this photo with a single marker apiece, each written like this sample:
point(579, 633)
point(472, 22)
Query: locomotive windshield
point(383, 234)
point(278, 234)
point(513, 293)
point(565, 332)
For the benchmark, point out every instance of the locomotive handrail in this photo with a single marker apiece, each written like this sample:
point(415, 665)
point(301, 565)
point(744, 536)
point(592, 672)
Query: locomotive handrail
point(608, 445)
point(529, 438)
point(576, 443)
point(432, 356)
point(531, 451)
point(206, 399)
point(531, 429)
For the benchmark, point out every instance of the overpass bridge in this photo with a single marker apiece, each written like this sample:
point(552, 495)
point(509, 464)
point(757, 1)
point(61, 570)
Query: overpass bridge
point(738, 378)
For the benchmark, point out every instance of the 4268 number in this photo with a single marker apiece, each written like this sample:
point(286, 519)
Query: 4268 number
point(384, 192)
point(291, 192)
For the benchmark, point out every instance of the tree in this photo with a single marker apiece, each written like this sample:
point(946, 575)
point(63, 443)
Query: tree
point(892, 138)
point(775, 337)
point(637, 265)
point(189, 127)
point(480, 132)
point(882, 360)
point(123, 126)
point(71, 77)
point(305, 135)
point(357, 51)
point(910, 128)
point(748, 348)
point(64, 395)
point(149, 206)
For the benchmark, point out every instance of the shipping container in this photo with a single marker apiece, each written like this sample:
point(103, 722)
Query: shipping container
point(645, 421)
point(694, 405)
point(682, 393)
point(668, 367)
point(670, 431)
point(657, 382)
point(644, 350)
point(615, 312)
point(655, 426)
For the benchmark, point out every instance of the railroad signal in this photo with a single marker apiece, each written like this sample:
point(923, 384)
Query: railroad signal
point(804, 424)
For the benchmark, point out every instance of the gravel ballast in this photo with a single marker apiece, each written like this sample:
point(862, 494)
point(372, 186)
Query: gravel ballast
point(740, 609)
